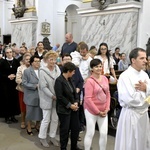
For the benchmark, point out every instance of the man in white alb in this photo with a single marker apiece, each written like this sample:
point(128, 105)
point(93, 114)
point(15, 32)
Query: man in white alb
point(133, 131)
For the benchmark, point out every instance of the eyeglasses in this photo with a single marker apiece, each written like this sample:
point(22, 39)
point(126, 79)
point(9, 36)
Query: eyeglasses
point(52, 60)
point(67, 59)
point(37, 61)
point(103, 49)
point(9, 52)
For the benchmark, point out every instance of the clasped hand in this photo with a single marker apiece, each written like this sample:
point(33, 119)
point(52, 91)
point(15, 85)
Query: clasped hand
point(103, 113)
point(141, 86)
point(74, 106)
point(11, 76)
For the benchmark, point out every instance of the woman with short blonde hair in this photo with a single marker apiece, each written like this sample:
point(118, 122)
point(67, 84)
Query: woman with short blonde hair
point(47, 77)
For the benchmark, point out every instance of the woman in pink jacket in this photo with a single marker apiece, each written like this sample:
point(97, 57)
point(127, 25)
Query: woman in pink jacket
point(96, 105)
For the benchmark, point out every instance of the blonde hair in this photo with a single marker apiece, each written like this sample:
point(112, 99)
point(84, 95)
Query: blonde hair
point(78, 46)
point(25, 55)
point(93, 51)
point(50, 53)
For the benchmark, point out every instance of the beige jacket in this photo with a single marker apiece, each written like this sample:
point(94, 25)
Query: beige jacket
point(19, 75)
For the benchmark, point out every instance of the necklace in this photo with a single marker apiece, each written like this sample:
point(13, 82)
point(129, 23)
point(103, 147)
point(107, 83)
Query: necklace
point(10, 63)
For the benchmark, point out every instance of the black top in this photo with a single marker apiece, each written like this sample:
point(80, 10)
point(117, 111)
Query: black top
point(116, 59)
point(36, 54)
point(76, 78)
point(65, 95)
point(9, 95)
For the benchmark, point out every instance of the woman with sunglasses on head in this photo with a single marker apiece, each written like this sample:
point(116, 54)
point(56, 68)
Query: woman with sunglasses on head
point(107, 62)
point(9, 98)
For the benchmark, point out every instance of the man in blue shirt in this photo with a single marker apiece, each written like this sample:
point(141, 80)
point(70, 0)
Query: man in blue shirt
point(69, 46)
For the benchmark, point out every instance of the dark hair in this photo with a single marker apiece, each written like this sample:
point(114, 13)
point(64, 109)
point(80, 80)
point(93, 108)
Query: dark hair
point(14, 44)
point(84, 46)
point(23, 47)
point(135, 53)
point(107, 53)
point(122, 54)
point(39, 43)
point(32, 58)
point(117, 48)
point(66, 55)
point(69, 66)
point(92, 47)
point(95, 62)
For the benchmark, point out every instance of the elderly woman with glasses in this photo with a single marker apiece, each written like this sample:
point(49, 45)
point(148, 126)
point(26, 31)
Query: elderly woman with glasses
point(30, 82)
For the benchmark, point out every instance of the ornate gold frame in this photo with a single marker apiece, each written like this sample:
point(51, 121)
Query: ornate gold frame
point(86, 1)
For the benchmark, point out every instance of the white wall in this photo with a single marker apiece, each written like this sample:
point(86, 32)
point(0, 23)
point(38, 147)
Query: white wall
point(60, 17)
point(54, 13)
point(45, 12)
point(5, 15)
point(74, 22)
point(144, 24)
point(1, 18)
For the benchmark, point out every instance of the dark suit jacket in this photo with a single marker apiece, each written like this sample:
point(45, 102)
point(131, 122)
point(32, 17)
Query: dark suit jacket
point(76, 78)
point(64, 95)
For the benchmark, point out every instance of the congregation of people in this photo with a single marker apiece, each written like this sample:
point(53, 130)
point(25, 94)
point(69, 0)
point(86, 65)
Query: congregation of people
point(62, 91)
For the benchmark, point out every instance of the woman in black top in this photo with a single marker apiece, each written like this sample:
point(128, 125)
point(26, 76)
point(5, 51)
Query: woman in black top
point(67, 107)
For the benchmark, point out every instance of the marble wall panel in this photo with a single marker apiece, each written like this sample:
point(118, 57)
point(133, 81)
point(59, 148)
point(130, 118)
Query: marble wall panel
point(24, 32)
point(117, 30)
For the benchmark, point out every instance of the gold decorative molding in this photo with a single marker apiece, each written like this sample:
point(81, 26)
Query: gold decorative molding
point(86, 1)
point(31, 9)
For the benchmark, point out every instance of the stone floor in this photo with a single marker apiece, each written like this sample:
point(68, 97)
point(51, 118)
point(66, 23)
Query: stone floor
point(14, 138)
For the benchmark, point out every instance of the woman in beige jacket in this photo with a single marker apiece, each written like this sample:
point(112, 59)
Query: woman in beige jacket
point(20, 70)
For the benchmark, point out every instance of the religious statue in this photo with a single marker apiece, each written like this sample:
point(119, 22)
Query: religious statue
point(45, 28)
point(102, 4)
point(20, 9)
point(20, 3)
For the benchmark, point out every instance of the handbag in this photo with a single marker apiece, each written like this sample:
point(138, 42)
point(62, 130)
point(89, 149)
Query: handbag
point(98, 84)
point(19, 88)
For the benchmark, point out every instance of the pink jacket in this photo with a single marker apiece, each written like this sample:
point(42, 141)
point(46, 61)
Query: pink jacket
point(95, 99)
